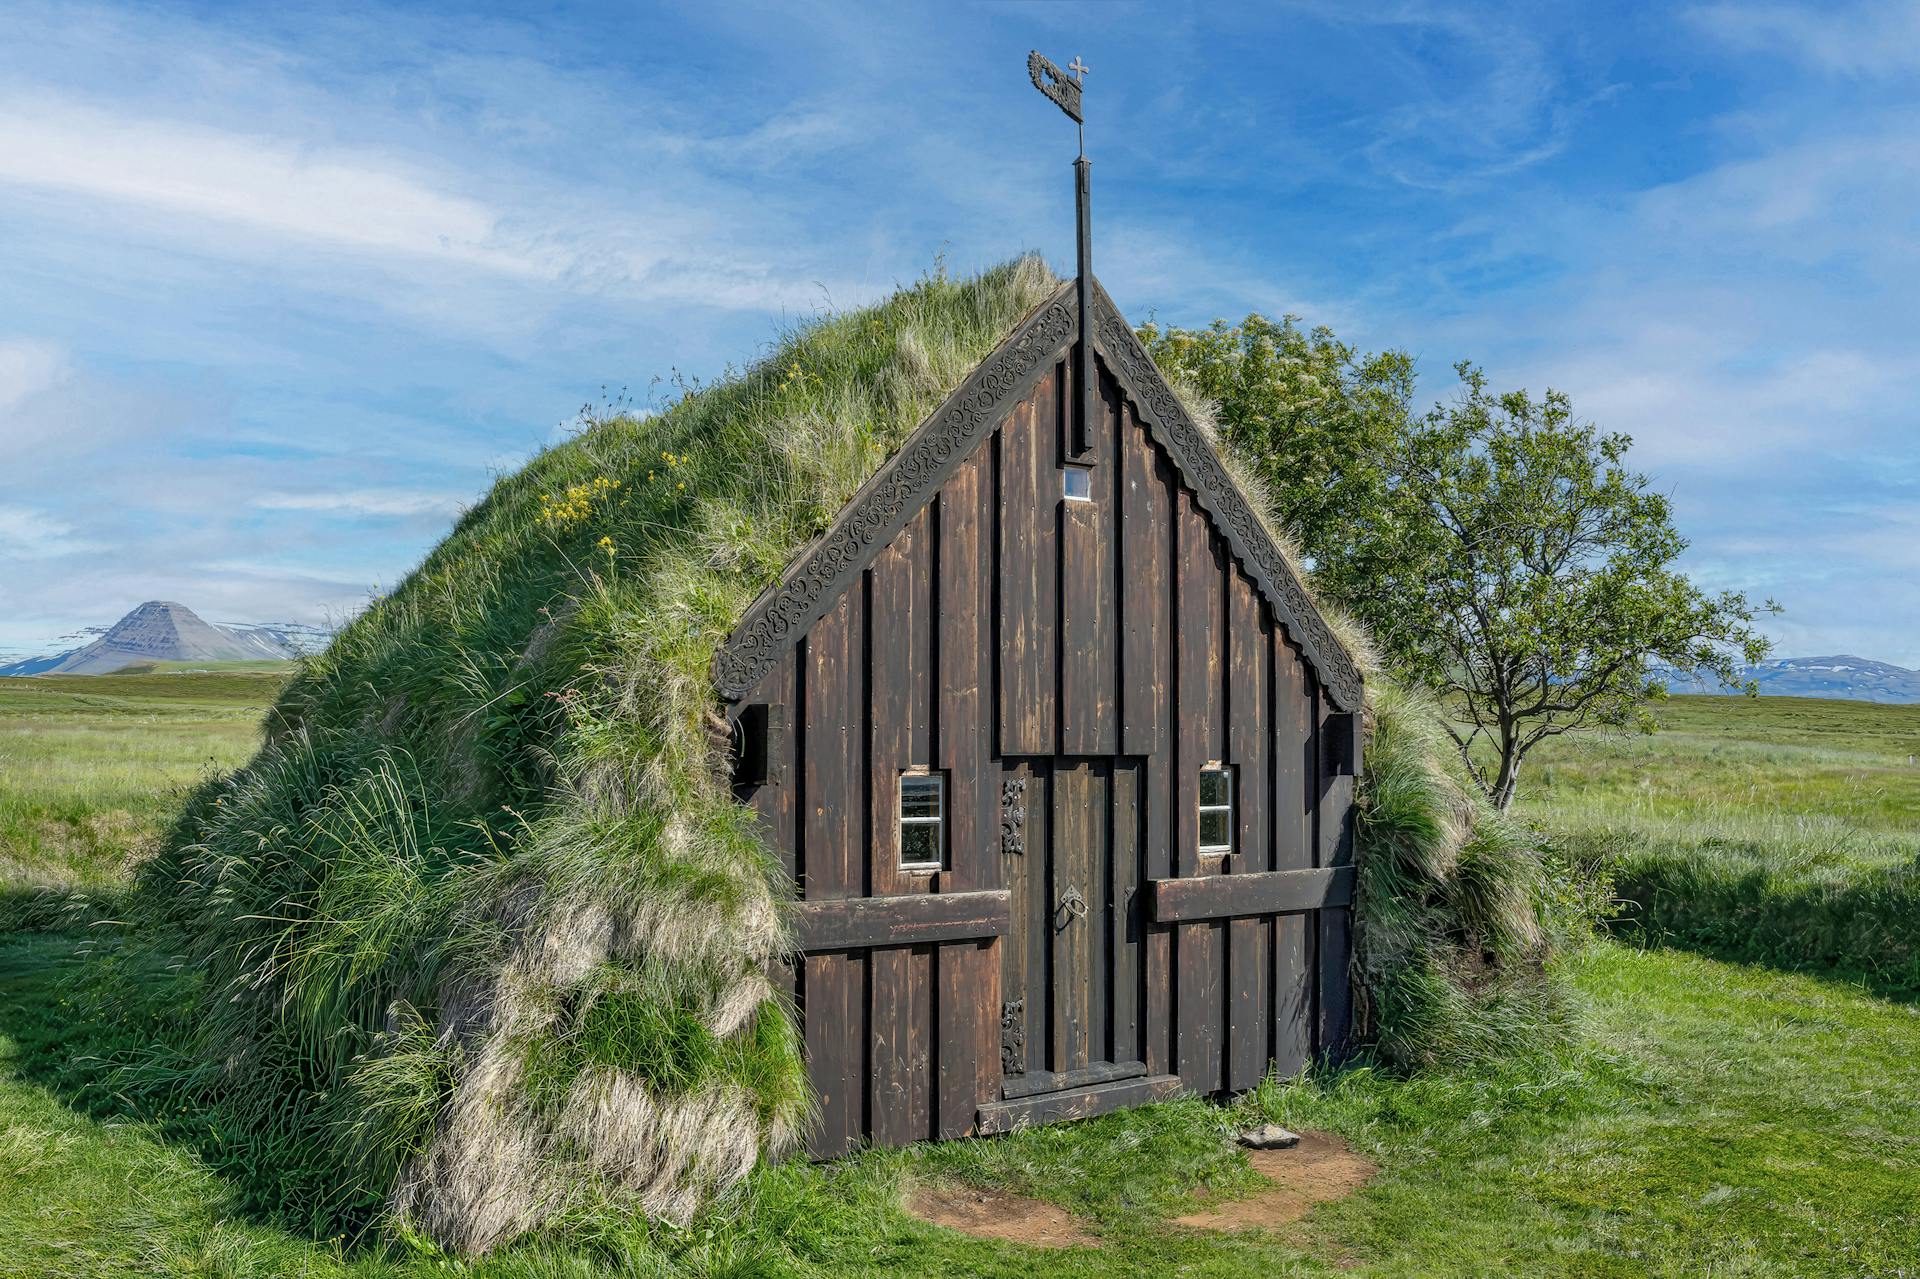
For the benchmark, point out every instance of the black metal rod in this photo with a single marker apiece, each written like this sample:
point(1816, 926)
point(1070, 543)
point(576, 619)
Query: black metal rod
point(1088, 387)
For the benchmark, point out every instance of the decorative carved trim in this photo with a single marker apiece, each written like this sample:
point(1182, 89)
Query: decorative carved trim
point(1220, 497)
point(1013, 1037)
point(885, 503)
point(1013, 816)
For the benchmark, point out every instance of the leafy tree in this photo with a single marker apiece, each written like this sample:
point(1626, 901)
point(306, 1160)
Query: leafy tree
point(1500, 551)
point(1318, 419)
point(1520, 567)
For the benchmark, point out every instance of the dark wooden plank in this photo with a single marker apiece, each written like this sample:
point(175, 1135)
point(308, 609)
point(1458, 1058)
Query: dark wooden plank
point(1196, 681)
point(906, 919)
point(1161, 818)
point(1248, 648)
point(834, 838)
point(900, 1047)
point(1089, 551)
point(836, 1066)
point(1144, 630)
point(1029, 591)
point(900, 665)
point(1249, 940)
point(1186, 898)
point(1100, 1072)
point(1048, 1108)
point(773, 800)
point(1334, 949)
point(969, 1031)
point(1293, 994)
point(960, 549)
point(1199, 948)
point(1075, 813)
point(1099, 919)
point(1026, 966)
point(1293, 774)
point(1125, 932)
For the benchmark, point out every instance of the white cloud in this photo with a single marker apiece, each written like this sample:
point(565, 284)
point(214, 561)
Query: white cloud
point(30, 534)
point(371, 502)
point(317, 193)
point(27, 369)
point(1880, 37)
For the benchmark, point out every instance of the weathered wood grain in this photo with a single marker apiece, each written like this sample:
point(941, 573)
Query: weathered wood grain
point(1184, 899)
point(1029, 573)
point(852, 923)
point(1048, 1108)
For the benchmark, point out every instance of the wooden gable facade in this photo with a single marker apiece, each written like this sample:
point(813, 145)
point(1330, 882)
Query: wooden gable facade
point(1061, 759)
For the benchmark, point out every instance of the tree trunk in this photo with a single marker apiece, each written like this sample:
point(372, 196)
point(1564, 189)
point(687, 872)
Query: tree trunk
point(1508, 780)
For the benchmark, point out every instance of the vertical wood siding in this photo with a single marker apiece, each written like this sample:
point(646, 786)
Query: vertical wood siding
point(1099, 653)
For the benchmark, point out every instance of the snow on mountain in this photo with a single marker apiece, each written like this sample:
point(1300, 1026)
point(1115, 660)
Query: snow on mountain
point(162, 631)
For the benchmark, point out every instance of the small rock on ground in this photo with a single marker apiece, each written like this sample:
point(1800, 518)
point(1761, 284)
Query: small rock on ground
point(1269, 1137)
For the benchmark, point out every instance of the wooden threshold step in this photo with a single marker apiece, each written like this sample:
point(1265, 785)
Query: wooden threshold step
point(1076, 1103)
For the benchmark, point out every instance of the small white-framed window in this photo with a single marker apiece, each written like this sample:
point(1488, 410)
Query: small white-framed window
point(1216, 810)
point(1076, 483)
point(923, 821)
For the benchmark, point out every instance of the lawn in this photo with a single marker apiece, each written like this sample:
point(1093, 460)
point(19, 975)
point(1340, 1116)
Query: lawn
point(1713, 1118)
point(92, 766)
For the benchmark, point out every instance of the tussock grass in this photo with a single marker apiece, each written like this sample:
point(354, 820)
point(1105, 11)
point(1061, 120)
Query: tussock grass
point(1452, 917)
point(484, 884)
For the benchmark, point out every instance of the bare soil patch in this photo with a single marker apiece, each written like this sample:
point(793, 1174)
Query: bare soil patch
point(994, 1214)
point(1319, 1169)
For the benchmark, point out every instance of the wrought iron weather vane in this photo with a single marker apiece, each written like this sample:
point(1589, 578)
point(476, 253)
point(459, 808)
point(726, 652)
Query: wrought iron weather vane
point(1065, 91)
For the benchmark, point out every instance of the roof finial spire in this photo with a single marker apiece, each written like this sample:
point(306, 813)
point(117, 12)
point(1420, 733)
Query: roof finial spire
point(1065, 93)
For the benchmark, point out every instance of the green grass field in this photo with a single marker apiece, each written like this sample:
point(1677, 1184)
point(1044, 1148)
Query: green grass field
point(1783, 831)
point(91, 766)
point(1713, 1118)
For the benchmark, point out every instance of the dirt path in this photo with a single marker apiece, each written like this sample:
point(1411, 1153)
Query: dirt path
point(1320, 1168)
point(994, 1214)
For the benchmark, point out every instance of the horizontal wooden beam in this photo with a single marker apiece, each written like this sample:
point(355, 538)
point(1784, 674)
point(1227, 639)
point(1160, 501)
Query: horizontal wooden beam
point(1038, 1081)
point(906, 919)
point(1079, 1103)
point(1266, 892)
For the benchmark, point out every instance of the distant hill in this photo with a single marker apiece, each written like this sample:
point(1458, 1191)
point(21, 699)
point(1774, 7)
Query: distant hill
point(162, 631)
point(1857, 679)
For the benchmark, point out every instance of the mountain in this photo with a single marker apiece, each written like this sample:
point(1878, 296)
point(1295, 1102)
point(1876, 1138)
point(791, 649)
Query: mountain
point(1844, 677)
point(162, 631)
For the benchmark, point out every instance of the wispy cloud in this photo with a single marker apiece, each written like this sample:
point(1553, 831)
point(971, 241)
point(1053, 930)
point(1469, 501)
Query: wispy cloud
point(365, 502)
point(27, 369)
point(1874, 38)
point(324, 194)
point(29, 533)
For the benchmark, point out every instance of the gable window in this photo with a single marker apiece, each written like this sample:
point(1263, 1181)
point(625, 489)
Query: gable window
point(923, 820)
point(1216, 810)
point(1076, 483)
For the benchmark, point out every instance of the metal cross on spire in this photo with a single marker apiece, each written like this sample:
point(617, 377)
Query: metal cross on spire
point(1065, 93)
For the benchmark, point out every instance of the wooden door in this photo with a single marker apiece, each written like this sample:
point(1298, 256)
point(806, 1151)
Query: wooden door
point(1071, 968)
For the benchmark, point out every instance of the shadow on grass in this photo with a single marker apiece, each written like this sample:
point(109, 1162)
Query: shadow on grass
point(87, 1010)
point(1826, 917)
point(46, 910)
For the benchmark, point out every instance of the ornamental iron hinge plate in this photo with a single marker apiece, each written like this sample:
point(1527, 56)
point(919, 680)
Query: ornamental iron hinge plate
point(1013, 1038)
point(1013, 816)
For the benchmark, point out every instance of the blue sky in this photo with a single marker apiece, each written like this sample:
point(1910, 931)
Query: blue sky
point(281, 288)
